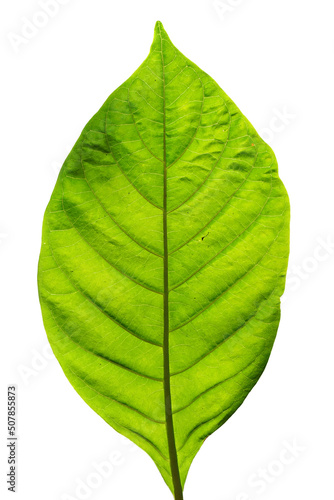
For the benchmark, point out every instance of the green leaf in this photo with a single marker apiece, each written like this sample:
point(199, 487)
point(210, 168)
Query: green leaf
point(164, 254)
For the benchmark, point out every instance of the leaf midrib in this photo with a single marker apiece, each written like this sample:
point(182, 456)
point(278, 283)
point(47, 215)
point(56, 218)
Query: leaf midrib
point(167, 392)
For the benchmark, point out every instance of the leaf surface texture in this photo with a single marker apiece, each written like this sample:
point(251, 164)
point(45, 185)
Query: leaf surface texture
point(164, 254)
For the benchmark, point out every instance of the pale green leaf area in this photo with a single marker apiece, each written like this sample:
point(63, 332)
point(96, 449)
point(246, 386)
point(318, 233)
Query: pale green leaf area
point(164, 254)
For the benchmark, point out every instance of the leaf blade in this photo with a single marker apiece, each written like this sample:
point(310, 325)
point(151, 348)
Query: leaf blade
point(164, 254)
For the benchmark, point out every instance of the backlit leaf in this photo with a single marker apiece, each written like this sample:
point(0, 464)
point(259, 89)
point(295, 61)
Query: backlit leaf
point(164, 254)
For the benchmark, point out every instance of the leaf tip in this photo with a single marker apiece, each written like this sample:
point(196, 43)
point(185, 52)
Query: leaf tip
point(158, 28)
point(159, 31)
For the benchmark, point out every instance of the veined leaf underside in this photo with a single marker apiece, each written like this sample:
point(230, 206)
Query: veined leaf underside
point(164, 254)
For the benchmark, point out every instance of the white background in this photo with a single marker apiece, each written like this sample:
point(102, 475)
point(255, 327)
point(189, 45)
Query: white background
point(271, 57)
